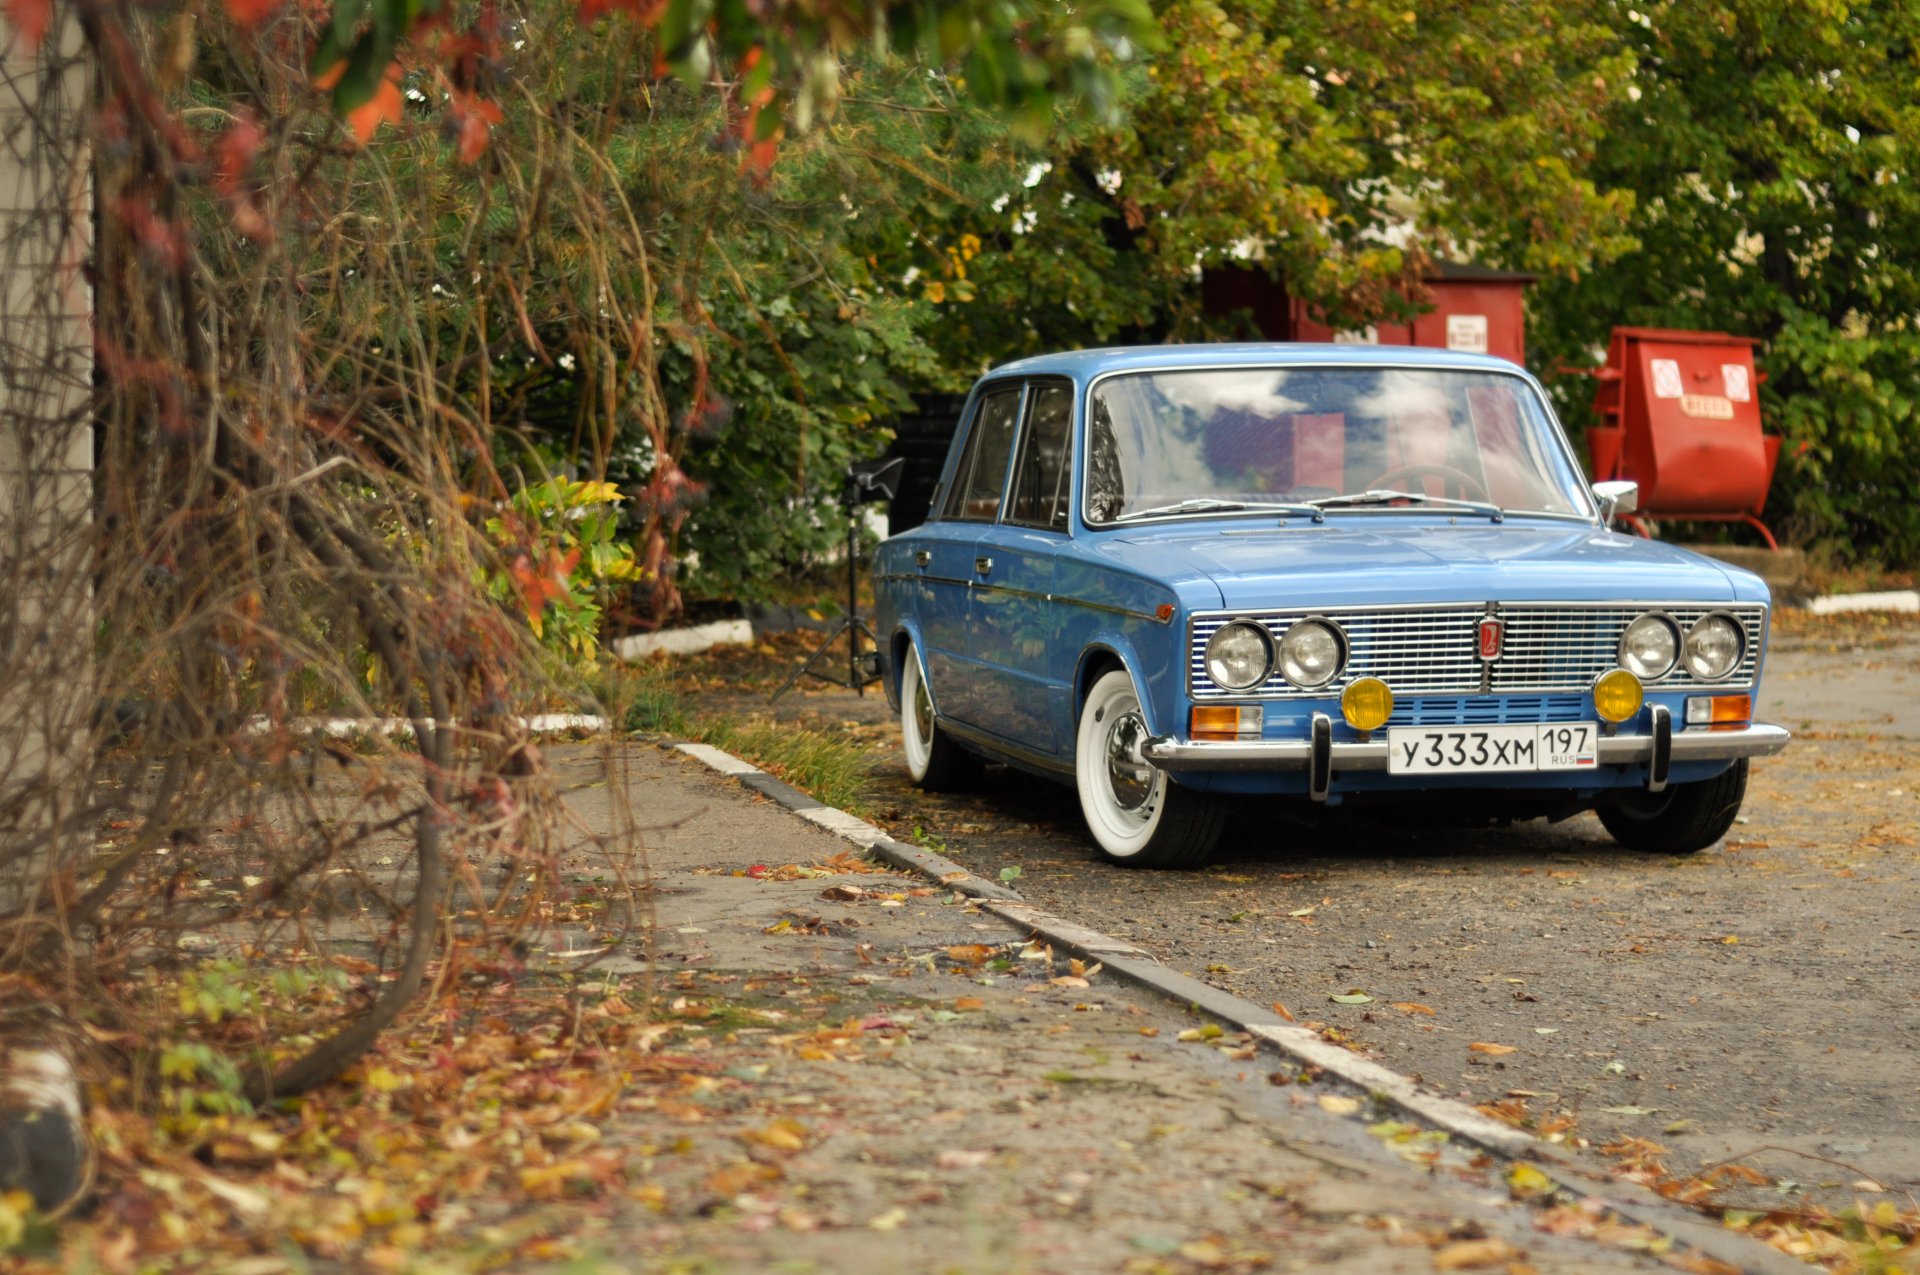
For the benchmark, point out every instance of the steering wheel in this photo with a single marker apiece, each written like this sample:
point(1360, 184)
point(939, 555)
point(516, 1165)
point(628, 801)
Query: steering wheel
point(1460, 484)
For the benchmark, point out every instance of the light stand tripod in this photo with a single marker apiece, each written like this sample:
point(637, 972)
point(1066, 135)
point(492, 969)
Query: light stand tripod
point(867, 481)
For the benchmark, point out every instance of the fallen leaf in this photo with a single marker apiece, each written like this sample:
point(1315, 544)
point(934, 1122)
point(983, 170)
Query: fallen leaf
point(1212, 1031)
point(1413, 1007)
point(955, 1159)
point(1204, 1253)
point(1484, 1047)
point(971, 953)
point(1339, 1104)
point(888, 1221)
point(1352, 998)
point(1468, 1255)
point(1629, 1111)
point(965, 1003)
point(1283, 1011)
point(781, 1135)
point(1525, 1182)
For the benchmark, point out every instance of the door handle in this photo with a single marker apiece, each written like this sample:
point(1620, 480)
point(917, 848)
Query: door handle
point(921, 557)
point(982, 566)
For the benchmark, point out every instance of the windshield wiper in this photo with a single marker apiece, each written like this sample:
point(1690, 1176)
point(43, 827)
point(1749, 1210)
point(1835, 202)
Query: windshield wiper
point(1214, 505)
point(1382, 496)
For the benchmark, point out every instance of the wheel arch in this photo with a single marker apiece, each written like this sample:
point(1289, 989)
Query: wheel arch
point(906, 637)
point(1102, 656)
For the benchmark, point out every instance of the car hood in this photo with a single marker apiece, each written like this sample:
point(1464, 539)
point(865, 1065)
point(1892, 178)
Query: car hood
point(1394, 559)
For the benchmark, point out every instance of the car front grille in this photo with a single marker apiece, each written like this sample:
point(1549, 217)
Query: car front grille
point(1548, 649)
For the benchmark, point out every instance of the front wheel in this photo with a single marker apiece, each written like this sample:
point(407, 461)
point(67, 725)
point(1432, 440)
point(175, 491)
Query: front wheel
point(1683, 819)
point(1139, 818)
point(934, 762)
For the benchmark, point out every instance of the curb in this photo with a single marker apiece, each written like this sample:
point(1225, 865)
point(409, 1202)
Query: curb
point(1636, 1203)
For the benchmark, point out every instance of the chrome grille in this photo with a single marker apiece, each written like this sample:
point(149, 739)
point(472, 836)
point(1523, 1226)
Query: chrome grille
point(1433, 650)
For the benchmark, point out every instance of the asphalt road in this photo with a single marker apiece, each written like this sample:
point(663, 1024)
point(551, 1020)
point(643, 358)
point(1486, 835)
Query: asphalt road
point(1756, 1000)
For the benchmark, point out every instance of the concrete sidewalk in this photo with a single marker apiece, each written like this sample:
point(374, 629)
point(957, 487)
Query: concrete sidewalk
point(896, 1081)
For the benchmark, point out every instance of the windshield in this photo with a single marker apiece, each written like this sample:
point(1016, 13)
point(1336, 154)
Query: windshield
point(1226, 440)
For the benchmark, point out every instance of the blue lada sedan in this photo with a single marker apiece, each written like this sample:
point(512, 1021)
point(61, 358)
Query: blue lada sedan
point(1320, 572)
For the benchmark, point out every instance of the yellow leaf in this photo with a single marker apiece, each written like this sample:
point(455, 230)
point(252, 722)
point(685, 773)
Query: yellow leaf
point(1412, 1007)
point(1524, 1182)
point(1482, 1047)
point(1339, 1104)
point(888, 1221)
point(781, 1135)
point(387, 1081)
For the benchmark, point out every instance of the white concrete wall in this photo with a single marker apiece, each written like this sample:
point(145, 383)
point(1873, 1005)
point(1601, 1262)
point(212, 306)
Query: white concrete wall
point(46, 443)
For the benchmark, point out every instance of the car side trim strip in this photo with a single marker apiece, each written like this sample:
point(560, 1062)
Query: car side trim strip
point(1011, 591)
point(1170, 754)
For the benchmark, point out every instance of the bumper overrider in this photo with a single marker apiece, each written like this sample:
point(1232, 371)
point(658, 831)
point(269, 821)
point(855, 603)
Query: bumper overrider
point(1321, 757)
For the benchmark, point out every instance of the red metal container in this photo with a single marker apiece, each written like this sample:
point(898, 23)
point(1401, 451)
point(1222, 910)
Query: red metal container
point(1680, 415)
point(1475, 308)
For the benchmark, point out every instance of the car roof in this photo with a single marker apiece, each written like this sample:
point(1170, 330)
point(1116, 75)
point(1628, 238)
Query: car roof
point(1083, 365)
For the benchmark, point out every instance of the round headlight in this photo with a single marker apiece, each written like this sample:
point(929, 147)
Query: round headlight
point(1239, 656)
point(1312, 653)
point(1649, 647)
point(1714, 647)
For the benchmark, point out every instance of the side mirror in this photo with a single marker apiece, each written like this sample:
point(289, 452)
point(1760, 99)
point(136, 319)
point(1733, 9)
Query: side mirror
point(1616, 497)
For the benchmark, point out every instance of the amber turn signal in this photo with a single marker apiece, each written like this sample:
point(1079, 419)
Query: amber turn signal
point(1719, 712)
point(1225, 721)
point(1366, 703)
point(1617, 695)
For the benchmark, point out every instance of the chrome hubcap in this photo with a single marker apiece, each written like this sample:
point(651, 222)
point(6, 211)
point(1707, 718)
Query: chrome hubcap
point(1128, 774)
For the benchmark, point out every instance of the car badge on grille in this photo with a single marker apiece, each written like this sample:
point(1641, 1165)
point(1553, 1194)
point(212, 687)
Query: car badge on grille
point(1493, 634)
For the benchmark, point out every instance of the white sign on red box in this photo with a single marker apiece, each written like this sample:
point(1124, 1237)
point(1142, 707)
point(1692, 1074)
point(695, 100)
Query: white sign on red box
point(1467, 333)
point(1666, 378)
point(1734, 377)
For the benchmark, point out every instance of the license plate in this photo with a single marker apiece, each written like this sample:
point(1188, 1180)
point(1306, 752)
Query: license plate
point(1463, 750)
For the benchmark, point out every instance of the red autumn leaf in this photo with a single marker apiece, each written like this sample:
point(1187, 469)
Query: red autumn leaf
point(32, 19)
point(473, 118)
point(251, 13)
point(384, 107)
point(232, 160)
point(539, 585)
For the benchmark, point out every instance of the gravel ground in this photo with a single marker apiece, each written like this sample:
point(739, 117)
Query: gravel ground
point(1755, 1000)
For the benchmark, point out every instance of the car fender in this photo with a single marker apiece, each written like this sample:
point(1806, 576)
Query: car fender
point(1109, 643)
point(906, 633)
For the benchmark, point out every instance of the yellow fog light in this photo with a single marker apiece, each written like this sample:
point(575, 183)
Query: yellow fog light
point(1617, 695)
point(1366, 703)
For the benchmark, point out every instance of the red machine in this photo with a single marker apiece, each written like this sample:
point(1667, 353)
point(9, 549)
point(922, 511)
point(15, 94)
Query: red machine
point(1681, 417)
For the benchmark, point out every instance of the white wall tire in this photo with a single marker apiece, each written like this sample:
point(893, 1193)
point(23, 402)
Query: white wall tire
point(934, 762)
point(1137, 815)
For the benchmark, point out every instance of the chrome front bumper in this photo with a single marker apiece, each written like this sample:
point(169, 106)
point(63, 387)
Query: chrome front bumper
point(1659, 748)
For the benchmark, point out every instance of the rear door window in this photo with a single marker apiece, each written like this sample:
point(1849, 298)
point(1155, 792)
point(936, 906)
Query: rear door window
point(982, 474)
point(1041, 482)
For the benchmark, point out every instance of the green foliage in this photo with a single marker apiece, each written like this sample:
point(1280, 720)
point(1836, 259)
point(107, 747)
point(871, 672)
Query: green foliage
point(202, 1080)
point(644, 699)
point(1769, 148)
point(563, 555)
point(1338, 148)
point(826, 767)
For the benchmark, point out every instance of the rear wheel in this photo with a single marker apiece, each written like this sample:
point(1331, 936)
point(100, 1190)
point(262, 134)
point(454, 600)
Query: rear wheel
point(1681, 820)
point(1139, 818)
point(934, 761)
